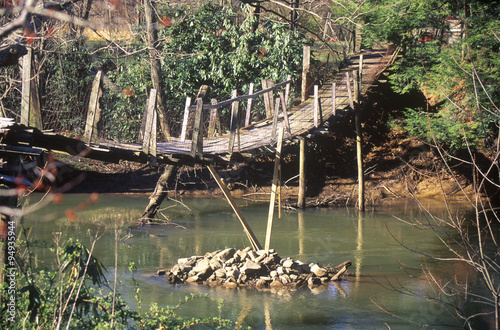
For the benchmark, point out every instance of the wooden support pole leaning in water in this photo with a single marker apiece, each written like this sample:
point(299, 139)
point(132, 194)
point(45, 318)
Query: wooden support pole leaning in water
point(302, 174)
point(359, 142)
point(253, 240)
point(274, 189)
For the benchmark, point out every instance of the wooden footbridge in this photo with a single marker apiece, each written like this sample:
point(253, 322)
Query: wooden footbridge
point(208, 146)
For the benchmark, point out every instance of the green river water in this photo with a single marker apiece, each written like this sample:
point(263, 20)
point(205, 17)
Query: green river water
point(383, 272)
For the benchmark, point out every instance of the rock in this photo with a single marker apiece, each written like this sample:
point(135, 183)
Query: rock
point(192, 279)
point(231, 285)
point(261, 283)
point(215, 264)
point(318, 271)
point(272, 259)
point(273, 274)
point(225, 255)
point(220, 273)
point(313, 281)
point(251, 268)
point(229, 262)
point(280, 270)
point(285, 279)
point(233, 273)
point(202, 265)
point(252, 255)
point(276, 284)
point(287, 263)
point(182, 260)
point(161, 272)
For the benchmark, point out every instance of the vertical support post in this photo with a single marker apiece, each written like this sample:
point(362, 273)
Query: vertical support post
point(253, 240)
point(275, 118)
point(306, 64)
point(94, 112)
point(355, 84)
point(360, 73)
point(214, 123)
point(349, 92)
point(302, 174)
point(318, 116)
point(148, 146)
point(334, 99)
point(249, 105)
point(359, 143)
point(197, 138)
point(234, 122)
point(185, 119)
point(276, 179)
point(285, 113)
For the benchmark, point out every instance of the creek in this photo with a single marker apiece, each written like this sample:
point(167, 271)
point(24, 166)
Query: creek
point(385, 272)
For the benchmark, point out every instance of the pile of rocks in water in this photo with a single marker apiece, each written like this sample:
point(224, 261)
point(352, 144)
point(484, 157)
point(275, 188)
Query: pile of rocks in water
point(249, 268)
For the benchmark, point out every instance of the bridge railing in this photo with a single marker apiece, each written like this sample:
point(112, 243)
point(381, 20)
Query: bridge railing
point(272, 107)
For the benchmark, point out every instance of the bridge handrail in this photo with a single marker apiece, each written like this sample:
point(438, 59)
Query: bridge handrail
point(242, 97)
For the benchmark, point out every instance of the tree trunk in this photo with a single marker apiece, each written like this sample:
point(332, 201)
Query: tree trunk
point(155, 68)
point(158, 195)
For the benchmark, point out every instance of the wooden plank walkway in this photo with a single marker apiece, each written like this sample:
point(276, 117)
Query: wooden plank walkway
point(251, 138)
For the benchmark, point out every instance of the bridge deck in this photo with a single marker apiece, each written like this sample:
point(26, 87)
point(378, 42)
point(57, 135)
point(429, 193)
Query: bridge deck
point(253, 137)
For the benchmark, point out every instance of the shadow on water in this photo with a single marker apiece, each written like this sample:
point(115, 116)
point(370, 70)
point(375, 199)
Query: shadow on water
point(323, 236)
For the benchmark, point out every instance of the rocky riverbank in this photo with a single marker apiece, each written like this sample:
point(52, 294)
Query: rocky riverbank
point(253, 269)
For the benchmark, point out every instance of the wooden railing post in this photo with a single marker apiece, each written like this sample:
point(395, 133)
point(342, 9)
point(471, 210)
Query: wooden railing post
point(318, 116)
point(268, 97)
point(360, 73)
point(287, 90)
point(249, 106)
point(91, 134)
point(275, 118)
point(149, 135)
point(185, 119)
point(30, 103)
point(285, 113)
point(334, 99)
point(306, 63)
point(214, 123)
point(355, 84)
point(234, 126)
point(349, 92)
point(197, 138)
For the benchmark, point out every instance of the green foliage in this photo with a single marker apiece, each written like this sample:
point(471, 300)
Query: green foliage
point(460, 80)
point(208, 47)
point(45, 298)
